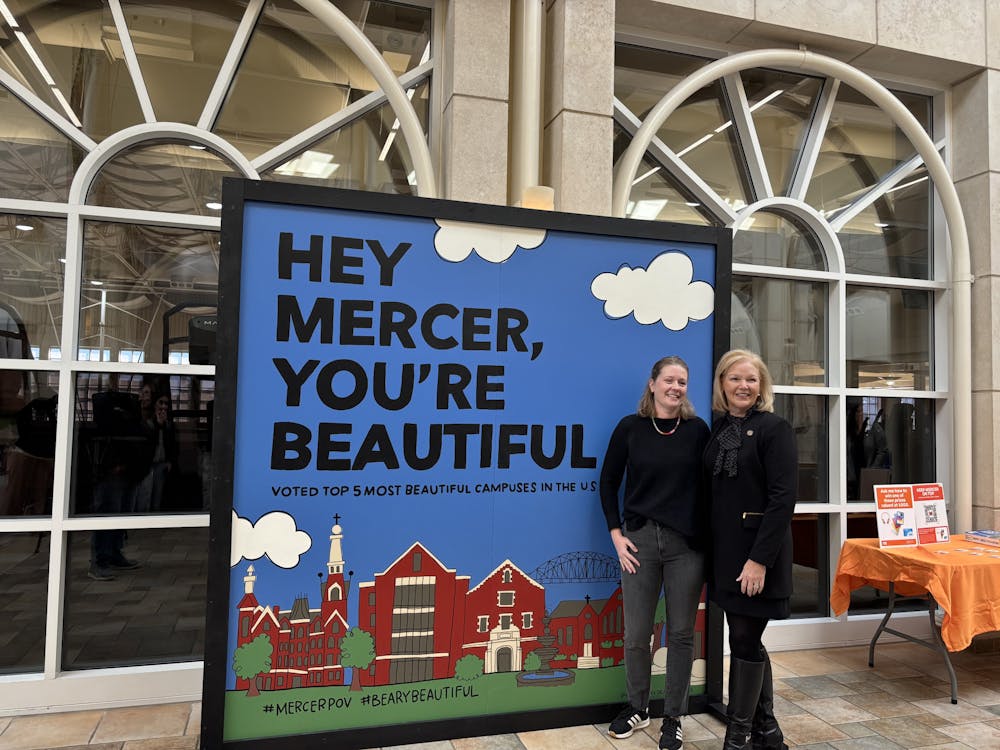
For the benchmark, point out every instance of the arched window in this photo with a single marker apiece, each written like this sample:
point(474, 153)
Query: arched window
point(834, 282)
point(110, 187)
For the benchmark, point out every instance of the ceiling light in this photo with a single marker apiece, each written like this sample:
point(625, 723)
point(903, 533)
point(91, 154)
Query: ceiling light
point(97, 283)
point(648, 209)
point(881, 224)
point(728, 123)
point(644, 175)
point(315, 164)
point(214, 205)
point(197, 146)
point(7, 15)
point(24, 227)
point(393, 130)
point(62, 260)
point(66, 108)
point(766, 99)
point(695, 144)
point(906, 184)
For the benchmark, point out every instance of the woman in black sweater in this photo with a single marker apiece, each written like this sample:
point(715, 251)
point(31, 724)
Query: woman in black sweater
point(658, 450)
point(752, 466)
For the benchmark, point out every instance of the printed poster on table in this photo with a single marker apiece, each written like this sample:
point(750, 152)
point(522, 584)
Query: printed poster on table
point(930, 513)
point(407, 537)
point(911, 514)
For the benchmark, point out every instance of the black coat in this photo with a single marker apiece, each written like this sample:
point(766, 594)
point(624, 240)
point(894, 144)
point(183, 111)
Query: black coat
point(751, 513)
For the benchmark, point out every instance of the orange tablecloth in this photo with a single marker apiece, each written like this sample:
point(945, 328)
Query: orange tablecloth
point(963, 578)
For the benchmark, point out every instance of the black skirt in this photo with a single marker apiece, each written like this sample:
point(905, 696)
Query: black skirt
point(752, 606)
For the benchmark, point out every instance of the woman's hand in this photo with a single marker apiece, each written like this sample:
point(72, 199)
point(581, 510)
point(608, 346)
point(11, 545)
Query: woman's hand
point(625, 548)
point(752, 578)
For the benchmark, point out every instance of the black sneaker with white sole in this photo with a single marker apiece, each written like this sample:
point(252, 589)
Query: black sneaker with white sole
point(627, 721)
point(671, 735)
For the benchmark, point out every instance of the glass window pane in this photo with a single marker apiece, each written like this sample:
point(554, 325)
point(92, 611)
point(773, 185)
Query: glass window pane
point(175, 177)
point(27, 441)
point(75, 64)
point(304, 73)
point(861, 145)
point(31, 285)
point(784, 322)
point(889, 441)
point(656, 194)
point(37, 162)
point(782, 105)
point(151, 614)
point(810, 565)
point(148, 289)
point(700, 130)
point(768, 239)
point(869, 599)
point(888, 338)
point(369, 154)
point(24, 574)
point(891, 237)
point(177, 43)
point(142, 444)
point(808, 417)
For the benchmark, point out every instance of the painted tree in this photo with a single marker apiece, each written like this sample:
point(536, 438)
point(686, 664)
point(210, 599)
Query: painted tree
point(357, 649)
point(468, 668)
point(532, 663)
point(252, 659)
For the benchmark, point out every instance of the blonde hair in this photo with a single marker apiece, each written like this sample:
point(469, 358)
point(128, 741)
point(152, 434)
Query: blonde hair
point(765, 399)
point(646, 406)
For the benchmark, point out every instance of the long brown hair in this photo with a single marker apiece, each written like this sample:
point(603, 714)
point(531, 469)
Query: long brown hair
point(646, 406)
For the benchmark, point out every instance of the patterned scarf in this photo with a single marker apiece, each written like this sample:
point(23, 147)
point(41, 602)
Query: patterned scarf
point(730, 439)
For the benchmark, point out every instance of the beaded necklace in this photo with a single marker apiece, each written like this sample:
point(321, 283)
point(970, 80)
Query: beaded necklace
point(669, 432)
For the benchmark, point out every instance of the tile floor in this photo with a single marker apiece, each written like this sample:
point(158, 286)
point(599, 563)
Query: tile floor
point(826, 700)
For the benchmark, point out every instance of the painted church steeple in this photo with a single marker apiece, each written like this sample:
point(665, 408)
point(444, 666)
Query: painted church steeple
point(335, 588)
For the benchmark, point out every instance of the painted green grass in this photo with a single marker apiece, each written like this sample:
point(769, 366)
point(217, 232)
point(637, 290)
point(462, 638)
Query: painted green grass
point(325, 709)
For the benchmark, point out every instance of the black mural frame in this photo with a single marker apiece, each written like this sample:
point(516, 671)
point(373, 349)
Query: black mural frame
point(235, 194)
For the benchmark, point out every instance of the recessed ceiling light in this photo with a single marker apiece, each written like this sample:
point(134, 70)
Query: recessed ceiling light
point(214, 205)
point(24, 227)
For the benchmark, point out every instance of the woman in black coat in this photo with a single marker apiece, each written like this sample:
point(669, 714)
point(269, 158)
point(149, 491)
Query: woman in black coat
point(751, 464)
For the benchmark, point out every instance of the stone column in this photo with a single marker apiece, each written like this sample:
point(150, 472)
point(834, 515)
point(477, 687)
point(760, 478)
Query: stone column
point(577, 112)
point(976, 168)
point(475, 101)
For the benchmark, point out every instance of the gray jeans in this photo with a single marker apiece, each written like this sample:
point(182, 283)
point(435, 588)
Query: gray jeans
point(665, 560)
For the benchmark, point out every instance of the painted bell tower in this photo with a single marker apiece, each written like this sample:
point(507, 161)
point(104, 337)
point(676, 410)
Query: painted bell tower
point(335, 588)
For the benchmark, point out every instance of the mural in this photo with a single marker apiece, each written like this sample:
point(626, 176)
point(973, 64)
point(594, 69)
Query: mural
point(421, 408)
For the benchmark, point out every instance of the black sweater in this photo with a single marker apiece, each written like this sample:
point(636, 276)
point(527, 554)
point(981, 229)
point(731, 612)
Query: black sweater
point(751, 513)
point(662, 474)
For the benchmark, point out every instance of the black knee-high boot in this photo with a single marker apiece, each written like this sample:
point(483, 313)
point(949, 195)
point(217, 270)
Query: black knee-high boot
point(766, 732)
point(745, 678)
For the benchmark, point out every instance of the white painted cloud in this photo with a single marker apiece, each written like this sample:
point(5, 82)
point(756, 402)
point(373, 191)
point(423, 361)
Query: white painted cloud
point(662, 292)
point(456, 240)
point(273, 535)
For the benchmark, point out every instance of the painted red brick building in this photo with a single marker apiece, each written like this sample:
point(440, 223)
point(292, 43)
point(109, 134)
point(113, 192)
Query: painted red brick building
point(305, 641)
point(503, 618)
point(415, 610)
